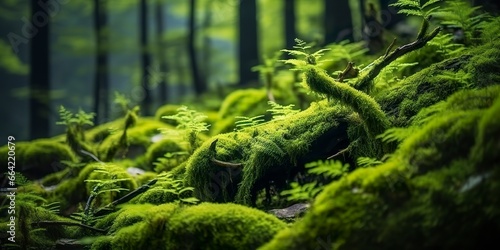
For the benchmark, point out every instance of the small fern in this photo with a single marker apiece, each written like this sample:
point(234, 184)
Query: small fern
point(167, 183)
point(416, 8)
point(122, 101)
point(461, 14)
point(81, 118)
point(395, 134)
point(170, 160)
point(328, 170)
point(301, 50)
point(188, 119)
point(281, 112)
point(365, 162)
point(248, 122)
point(190, 122)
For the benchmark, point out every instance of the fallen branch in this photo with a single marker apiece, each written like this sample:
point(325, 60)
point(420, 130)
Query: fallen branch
point(66, 223)
point(126, 198)
point(382, 62)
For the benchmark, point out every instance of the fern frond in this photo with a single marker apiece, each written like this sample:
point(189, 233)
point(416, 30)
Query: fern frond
point(429, 3)
point(368, 162)
point(294, 52)
point(280, 112)
point(395, 134)
point(407, 3)
point(247, 122)
point(411, 12)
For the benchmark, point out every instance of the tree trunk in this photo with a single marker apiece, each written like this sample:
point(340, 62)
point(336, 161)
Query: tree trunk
point(198, 83)
point(290, 31)
point(248, 49)
point(337, 21)
point(39, 75)
point(147, 100)
point(101, 80)
point(160, 21)
point(207, 44)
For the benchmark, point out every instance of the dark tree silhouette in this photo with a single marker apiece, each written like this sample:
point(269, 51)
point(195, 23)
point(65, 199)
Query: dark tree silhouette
point(101, 81)
point(206, 23)
point(160, 28)
point(39, 74)
point(337, 21)
point(290, 31)
point(147, 101)
point(198, 83)
point(248, 49)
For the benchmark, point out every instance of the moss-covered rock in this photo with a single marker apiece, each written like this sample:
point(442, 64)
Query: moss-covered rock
point(205, 226)
point(37, 158)
point(433, 193)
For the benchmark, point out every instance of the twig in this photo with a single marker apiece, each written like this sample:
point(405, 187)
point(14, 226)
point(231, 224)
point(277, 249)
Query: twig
point(390, 47)
point(213, 153)
point(398, 52)
point(340, 152)
point(226, 164)
point(91, 155)
point(127, 197)
point(66, 223)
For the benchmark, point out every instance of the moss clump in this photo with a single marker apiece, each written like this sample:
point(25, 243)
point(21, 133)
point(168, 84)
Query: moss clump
point(28, 212)
point(76, 191)
point(272, 152)
point(433, 193)
point(38, 158)
point(205, 226)
point(476, 68)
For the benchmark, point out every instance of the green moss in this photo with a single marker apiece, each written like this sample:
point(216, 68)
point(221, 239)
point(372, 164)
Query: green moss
point(375, 120)
point(431, 194)
point(477, 67)
point(29, 211)
point(159, 149)
point(246, 102)
point(76, 191)
point(205, 226)
point(269, 152)
point(38, 158)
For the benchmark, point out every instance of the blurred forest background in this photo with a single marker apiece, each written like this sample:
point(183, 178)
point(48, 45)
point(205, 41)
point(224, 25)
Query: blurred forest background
point(79, 53)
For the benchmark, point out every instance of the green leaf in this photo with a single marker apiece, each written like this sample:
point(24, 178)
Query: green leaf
point(429, 3)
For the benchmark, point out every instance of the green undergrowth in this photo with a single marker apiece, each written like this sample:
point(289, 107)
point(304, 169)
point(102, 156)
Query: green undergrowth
point(263, 153)
point(205, 226)
point(438, 190)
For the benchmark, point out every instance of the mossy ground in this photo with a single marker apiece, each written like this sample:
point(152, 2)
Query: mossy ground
point(436, 133)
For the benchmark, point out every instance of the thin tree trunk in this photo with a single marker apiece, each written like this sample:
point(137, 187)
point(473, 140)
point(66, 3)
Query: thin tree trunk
point(248, 43)
point(207, 46)
point(160, 21)
point(39, 75)
point(147, 101)
point(101, 81)
point(198, 82)
point(337, 21)
point(290, 17)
